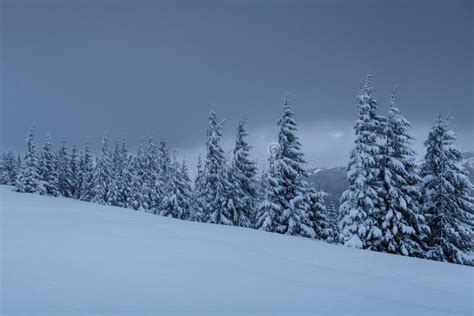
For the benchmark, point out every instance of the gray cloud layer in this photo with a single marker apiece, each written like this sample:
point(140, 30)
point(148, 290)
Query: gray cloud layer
point(78, 68)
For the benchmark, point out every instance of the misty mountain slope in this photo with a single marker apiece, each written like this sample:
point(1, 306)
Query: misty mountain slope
point(333, 181)
point(65, 257)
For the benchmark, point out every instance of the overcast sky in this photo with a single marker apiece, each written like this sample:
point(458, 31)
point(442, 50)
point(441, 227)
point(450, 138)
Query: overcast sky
point(77, 68)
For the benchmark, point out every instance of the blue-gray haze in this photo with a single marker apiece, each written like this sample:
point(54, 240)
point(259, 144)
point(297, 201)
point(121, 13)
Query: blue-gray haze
point(77, 68)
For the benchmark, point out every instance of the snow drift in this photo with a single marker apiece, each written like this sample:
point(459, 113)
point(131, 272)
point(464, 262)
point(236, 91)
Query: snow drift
point(65, 257)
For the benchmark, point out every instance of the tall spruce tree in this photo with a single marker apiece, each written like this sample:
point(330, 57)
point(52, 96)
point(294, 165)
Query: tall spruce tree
point(186, 189)
point(152, 193)
point(362, 203)
point(115, 173)
point(28, 177)
point(75, 172)
point(126, 191)
point(80, 176)
point(8, 168)
point(268, 207)
point(137, 174)
point(119, 159)
point(215, 181)
point(177, 203)
point(318, 216)
point(87, 171)
point(165, 164)
point(63, 162)
point(48, 170)
point(102, 175)
point(403, 226)
point(242, 175)
point(123, 176)
point(294, 216)
point(18, 163)
point(130, 194)
point(223, 211)
point(164, 171)
point(198, 192)
point(333, 218)
point(447, 206)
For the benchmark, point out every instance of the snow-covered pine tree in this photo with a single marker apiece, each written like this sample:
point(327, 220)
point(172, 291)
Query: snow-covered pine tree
point(318, 215)
point(199, 180)
point(80, 176)
point(198, 192)
point(136, 172)
point(215, 181)
point(102, 175)
point(268, 207)
point(19, 161)
point(242, 177)
point(333, 217)
point(115, 171)
point(177, 202)
point(75, 172)
point(123, 175)
point(361, 208)
point(186, 189)
point(165, 168)
point(8, 168)
point(126, 190)
point(446, 203)
point(3, 172)
point(130, 193)
point(294, 216)
point(165, 164)
point(403, 227)
point(28, 177)
point(151, 191)
point(136, 197)
point(48, 170)
point(87, 171)
point(63, 163)
point(224, 211)
point(171, 205)
point(117, 168)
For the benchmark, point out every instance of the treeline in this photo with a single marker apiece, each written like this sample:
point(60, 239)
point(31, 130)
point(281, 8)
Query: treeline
point(392, 204)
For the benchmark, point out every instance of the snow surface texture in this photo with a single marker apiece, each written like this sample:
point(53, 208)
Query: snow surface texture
point(65, 257)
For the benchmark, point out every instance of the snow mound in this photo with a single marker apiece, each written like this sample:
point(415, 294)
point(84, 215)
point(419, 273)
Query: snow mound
point(66, 257)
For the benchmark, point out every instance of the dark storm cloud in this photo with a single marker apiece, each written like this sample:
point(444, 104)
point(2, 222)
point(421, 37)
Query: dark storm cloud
point(78, 68)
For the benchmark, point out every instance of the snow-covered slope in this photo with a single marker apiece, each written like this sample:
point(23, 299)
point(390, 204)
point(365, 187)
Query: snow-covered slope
point(66, 257)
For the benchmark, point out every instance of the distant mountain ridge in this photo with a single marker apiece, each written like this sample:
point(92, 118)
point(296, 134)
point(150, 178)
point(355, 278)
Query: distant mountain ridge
point(332, 180)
